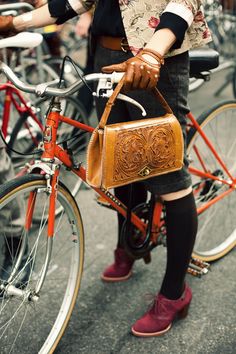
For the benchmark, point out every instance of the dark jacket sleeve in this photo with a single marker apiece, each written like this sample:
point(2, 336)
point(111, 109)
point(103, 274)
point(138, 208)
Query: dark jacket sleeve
point(61, 10)
point(176, 24)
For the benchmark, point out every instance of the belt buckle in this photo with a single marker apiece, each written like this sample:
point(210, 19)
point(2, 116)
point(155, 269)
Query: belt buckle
point(124, 43)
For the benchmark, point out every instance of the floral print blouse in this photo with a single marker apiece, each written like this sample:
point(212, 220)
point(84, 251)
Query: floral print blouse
point(141, 17)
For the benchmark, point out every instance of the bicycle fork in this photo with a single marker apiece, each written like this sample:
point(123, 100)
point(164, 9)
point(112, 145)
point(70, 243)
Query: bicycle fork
point(48, 159)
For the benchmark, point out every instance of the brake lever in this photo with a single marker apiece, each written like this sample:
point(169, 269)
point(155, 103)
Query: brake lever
point(107, 86)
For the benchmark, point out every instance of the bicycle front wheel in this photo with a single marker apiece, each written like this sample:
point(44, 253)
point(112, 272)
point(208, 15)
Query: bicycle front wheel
point(26, 312)
point(217, 224)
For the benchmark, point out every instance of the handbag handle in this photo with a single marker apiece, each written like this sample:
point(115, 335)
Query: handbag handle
point(114, 95)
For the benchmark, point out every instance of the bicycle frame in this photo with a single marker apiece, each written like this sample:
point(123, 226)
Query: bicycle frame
point(53, 152)
point(14, 96)
point(206, 174)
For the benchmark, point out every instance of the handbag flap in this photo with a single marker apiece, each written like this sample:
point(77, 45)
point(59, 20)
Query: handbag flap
point(141, 149)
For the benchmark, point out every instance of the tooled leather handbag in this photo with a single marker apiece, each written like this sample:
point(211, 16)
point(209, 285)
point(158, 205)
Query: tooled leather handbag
point(122, 153)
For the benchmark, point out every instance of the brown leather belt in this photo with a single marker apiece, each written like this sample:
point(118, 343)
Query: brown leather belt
point(114, 43)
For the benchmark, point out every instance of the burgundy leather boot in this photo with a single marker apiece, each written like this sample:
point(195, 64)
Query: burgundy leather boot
point(161, 315)
point(121, 269)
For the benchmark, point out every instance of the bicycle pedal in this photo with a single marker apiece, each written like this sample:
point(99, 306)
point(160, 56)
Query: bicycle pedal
point(197, 270)
point(199, 263)
point(194, 272)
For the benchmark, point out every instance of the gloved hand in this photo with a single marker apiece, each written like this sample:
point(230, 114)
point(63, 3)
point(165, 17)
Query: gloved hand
point(141, 71)
point(6, 25)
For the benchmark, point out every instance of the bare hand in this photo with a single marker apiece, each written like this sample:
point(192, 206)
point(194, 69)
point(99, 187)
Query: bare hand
point(83, 24)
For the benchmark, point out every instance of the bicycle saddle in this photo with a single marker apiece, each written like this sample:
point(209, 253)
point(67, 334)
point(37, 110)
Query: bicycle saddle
point(203, 59)
point(22, 40)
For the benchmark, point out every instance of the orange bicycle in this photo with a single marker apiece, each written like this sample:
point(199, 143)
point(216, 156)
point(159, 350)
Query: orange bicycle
point(55, 246)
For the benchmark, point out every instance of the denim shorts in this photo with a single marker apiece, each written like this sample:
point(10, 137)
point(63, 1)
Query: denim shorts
point(173, 84)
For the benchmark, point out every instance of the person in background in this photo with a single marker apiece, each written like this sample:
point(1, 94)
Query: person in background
point(149, 41)
point(83, 30)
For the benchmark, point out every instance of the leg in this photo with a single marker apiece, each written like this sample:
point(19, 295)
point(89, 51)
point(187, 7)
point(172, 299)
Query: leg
point(181, 218)
point(121, 268)
point(181, 225)
point(175, 296)
point(139, 196)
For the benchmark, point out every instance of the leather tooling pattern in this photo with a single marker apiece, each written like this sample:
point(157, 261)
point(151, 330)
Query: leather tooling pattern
point(139, 151)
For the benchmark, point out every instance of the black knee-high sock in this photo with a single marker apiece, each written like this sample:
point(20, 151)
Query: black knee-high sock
point(139, 195)
point(181, 224)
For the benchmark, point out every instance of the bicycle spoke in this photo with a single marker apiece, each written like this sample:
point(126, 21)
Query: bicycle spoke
point(217, 224)
point(19, 312)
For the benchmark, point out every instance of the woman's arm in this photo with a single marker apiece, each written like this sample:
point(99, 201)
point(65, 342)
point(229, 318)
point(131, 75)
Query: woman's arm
point(52, 12)
point(174, 22)
point(143, 70)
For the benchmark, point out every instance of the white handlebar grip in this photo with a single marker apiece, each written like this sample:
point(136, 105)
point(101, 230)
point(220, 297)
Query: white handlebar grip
point(116, 77)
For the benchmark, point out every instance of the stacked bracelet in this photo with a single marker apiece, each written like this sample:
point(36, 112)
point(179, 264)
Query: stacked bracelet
point(153, 53)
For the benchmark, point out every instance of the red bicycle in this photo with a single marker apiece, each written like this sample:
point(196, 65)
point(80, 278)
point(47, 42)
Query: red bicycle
point(55, 246)
point(22, 119)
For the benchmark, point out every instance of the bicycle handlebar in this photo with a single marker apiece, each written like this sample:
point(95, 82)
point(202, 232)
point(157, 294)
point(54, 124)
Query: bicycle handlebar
point(45, 90)
point(106, 82)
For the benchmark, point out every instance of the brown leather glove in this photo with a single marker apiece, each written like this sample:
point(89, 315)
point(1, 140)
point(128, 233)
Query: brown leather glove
point(139, 72)
point(6, 25)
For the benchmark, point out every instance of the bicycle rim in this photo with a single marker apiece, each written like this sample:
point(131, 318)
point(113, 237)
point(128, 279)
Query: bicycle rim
point(44, 320)
point(217, 224)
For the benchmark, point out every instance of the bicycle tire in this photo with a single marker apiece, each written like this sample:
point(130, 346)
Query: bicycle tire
point(21, 317)
point(217, 225)
point(234, 82)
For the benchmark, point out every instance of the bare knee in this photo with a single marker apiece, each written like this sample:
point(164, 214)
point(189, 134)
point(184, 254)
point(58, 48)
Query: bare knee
point(176, 195)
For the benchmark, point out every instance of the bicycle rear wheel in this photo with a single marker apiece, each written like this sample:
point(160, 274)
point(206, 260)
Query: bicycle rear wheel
point(217, 224)
point(41, 317)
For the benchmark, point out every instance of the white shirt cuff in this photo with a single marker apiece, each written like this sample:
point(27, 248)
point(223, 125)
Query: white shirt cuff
point(180, 10)
point(76, 5)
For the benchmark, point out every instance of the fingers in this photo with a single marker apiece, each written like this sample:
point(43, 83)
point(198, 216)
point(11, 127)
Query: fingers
point(129, 77)
point(138, 74)
point(141, 77)
point(154, 77)
point(145, 78)
point(115, 67)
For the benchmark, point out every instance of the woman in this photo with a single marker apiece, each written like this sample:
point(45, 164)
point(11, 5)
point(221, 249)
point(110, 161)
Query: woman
point(150, 42)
